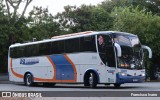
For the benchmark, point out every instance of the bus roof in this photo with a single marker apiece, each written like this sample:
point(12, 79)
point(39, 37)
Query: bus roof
point(69, 36)
point(73, 34)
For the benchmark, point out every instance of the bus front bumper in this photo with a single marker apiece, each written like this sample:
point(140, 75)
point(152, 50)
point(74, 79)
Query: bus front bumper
point(129, 79)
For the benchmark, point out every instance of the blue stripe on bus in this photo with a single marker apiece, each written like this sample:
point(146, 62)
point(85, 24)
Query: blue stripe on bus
point(64, 70)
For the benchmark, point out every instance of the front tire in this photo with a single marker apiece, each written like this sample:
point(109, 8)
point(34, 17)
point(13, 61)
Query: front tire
point(91, 80)
point(28, 79)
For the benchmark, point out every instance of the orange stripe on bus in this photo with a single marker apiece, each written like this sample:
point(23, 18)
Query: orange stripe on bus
point(13, 72)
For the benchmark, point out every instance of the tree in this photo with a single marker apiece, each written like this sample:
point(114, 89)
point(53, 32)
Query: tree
point(3, 38)
point(75, 19)
point(149, 5)
point(14, 4)
point(42, 24)
point(84, 18)
point(13, 27)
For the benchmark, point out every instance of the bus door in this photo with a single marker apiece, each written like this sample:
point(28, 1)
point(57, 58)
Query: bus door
point(107, 55)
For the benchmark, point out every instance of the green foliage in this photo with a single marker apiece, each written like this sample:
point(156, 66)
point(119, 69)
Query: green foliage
point(3, 39)
point(84, 18)
point(42, 24)
point(150, 5)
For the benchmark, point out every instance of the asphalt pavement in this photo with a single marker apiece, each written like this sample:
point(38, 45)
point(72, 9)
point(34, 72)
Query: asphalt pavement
point(4, 78)
point(72, 89)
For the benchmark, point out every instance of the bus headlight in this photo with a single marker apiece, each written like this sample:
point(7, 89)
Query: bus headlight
point(123, 74)
point(143, 74)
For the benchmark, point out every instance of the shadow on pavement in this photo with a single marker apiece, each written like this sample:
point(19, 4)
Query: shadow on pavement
point(78, 86)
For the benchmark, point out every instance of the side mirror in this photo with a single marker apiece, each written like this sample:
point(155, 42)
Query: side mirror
point(148, 49)
point(118, 48)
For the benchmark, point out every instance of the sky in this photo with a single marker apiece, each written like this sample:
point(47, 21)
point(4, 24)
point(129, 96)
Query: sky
point(55, 6)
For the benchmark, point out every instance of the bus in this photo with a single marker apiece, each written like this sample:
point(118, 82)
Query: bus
point(89, 58)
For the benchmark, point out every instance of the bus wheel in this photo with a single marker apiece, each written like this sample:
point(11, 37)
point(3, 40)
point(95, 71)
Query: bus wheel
point(91, 80)
point(117, 85)
point(28, 79)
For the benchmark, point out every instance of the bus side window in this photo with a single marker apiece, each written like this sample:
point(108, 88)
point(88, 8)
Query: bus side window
point(21, 52)
point(28, 51)
point(110, 52)
point(35, 50)
point(87, 44)
point(44, 48)
point(57, 47)
point(102, 47)
point(54, 47)
point(13, 52)
point(32, 50)
point(106, 50)
point(17, 52)
point(72, 45)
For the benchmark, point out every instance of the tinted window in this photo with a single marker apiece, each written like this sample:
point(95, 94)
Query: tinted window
point(32, 50)
point(44, 48)
point(17, 52)
point(106, 50)
point(82, 44)
point(87, 44)
point(72, 45)
point(28, 50)
point(57, 47)
point(13, 53)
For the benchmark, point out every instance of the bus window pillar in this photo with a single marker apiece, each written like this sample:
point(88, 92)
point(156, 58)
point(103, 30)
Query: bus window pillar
point(118, 48)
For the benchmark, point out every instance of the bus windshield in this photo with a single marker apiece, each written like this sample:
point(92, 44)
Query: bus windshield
point(132, 54)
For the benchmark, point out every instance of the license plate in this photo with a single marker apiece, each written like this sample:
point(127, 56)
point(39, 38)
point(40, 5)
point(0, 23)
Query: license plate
point(135, 80)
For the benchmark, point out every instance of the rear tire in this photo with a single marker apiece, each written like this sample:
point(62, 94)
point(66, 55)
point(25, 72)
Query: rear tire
point(91, 80)
point(28, 79)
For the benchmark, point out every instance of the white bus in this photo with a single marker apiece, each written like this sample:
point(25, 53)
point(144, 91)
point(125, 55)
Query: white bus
point(91, 58)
